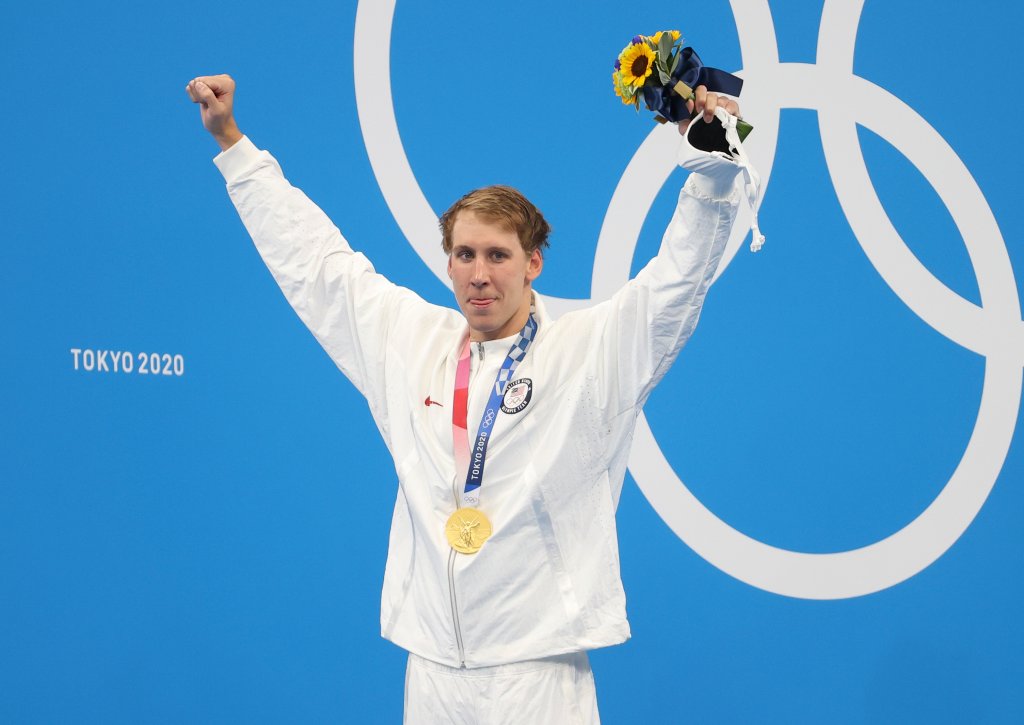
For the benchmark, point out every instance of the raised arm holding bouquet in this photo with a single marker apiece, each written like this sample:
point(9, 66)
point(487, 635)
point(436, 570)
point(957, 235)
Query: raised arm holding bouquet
point(672, 81)
point(510, 430)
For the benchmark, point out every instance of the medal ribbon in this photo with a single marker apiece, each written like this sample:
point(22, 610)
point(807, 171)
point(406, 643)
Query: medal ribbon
point(473, 462)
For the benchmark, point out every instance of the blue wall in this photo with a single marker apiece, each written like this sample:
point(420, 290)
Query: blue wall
point(209, 546)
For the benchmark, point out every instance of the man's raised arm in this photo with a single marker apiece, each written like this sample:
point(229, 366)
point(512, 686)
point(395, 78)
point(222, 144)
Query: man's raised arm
point(650, 319)
point(334, 291)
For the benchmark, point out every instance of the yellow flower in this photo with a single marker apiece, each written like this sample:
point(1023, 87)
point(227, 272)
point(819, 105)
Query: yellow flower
point(657, 36)
point(636, 63)
point(617, 82)
point(624, 92)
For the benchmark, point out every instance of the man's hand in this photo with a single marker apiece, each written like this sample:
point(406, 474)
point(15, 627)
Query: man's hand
point(707, 103)
point(215, 96)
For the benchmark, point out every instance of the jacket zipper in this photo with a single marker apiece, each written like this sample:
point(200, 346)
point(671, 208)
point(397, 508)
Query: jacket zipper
point(455, 607)
point(456, 624)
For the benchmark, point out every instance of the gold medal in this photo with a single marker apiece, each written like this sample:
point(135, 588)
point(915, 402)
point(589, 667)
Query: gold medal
point(467, 530)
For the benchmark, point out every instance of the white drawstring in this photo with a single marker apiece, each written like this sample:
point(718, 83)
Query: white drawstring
point(752, 185)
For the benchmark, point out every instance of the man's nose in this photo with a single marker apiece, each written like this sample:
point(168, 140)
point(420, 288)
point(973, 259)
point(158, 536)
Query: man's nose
point(481, 274)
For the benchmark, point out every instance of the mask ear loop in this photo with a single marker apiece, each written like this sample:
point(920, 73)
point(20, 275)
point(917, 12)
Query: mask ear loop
point(752, 185)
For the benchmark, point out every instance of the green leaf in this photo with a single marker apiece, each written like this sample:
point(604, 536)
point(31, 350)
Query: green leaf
point(665, 45)
point(675, 61)
point(665, 77)
point(743, 129)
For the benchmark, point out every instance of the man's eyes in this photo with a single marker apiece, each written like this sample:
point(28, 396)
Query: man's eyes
point(468, 256)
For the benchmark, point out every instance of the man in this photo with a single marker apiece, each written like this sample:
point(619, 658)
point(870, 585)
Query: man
point(502, 564)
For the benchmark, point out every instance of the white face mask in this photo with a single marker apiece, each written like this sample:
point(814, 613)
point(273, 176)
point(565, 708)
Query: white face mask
point(694, 156)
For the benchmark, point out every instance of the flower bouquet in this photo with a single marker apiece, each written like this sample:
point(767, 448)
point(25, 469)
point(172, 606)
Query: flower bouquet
point(659, 70)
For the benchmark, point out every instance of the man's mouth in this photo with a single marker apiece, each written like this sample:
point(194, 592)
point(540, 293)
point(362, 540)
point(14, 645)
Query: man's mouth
point(481, 303)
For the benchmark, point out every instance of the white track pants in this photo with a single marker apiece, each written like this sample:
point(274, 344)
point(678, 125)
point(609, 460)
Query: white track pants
point(557, 690)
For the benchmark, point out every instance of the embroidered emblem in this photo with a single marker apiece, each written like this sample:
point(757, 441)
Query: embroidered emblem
point(428, 402)
point(517, 395)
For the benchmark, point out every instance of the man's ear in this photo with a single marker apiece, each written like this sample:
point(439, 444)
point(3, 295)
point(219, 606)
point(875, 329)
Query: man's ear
point(534, 266)
point(449, 265)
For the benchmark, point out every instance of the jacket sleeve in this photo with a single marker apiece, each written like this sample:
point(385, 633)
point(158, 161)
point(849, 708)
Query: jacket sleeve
point(648, 321)
point(334, 291)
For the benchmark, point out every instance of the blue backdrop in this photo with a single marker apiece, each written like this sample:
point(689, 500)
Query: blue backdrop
point(201, 537)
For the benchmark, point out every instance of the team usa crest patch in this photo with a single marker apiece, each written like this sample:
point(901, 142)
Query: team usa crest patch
point(517, 395)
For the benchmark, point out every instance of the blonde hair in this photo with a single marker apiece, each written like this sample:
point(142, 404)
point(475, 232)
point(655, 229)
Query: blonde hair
point(504, 206)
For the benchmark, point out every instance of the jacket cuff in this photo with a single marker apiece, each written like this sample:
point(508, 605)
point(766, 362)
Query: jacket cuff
point(238, 159)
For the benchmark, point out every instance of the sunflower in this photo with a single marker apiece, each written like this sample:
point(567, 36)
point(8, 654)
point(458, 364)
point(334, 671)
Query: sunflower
point(657, 36)
point(637, 62)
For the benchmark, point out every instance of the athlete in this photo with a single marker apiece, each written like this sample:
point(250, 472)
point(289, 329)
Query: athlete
point(510, 431)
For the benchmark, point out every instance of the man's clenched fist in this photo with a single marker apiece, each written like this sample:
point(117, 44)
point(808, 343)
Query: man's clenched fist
point(215, 96)
point(704, 102)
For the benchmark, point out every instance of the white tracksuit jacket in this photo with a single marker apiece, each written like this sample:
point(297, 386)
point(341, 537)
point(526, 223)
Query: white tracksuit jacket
point(547, 581)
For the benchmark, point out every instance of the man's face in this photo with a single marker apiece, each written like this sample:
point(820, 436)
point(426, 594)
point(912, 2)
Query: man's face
point(492, 276)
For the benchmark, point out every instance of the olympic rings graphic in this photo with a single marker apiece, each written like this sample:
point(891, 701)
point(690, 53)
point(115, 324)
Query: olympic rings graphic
point(994, 329)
